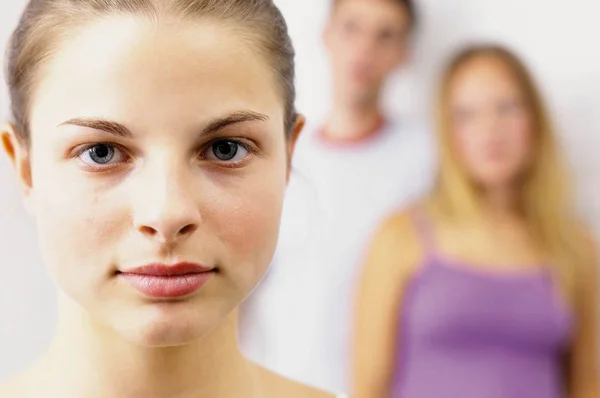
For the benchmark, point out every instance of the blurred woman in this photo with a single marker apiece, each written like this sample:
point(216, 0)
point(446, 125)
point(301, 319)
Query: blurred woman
point(487, 289)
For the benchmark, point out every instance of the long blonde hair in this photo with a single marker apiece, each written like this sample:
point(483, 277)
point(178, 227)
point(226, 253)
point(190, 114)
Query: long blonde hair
point(545, 203)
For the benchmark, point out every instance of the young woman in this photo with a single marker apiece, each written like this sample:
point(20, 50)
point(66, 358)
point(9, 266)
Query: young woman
point(151, 140)
point(486, 290)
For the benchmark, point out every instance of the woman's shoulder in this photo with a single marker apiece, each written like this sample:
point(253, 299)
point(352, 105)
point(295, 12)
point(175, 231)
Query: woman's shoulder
point(400, 221)
point(397, 246)
point(17, 387)
point(400, 229)
point(280, 386)
point(26, 383)
point(276, 386)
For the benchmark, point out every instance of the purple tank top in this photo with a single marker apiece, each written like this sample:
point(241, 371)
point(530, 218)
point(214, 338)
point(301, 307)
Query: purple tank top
point(467, 334)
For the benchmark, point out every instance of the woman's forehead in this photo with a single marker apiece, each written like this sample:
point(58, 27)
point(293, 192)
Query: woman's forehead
point(128, 65)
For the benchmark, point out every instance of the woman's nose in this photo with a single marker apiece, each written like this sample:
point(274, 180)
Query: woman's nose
point(166, 208)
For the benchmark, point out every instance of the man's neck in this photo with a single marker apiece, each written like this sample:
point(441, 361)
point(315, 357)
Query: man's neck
point(353, 124)
point(85, 362)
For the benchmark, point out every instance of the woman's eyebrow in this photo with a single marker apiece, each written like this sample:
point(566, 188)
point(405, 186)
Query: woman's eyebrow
point(107, 126)
point(120, 130)
point(234, 118)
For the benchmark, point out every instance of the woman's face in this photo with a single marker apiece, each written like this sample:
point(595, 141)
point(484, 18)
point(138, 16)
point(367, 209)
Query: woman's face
point(492, 127)
point(157, 145)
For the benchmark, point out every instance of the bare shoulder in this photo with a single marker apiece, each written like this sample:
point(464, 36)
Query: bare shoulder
point(7, 389)
point(279, 386)
point(17, 387)
point(396, 243)
point(26, 383)
point(401, 225)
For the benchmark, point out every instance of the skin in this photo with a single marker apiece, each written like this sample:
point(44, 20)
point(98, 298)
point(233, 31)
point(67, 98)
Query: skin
point(160, 96)
point(366, 41)
point(492, 127)
point(493, 135)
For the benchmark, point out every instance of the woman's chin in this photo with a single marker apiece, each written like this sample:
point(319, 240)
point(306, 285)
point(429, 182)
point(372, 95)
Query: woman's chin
point(159, 327)
point(164, 334)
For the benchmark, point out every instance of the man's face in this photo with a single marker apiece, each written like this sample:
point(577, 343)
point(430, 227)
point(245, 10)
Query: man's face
point(367, 40)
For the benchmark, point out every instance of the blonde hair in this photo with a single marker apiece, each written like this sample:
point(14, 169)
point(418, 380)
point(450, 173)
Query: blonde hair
point(545, 203)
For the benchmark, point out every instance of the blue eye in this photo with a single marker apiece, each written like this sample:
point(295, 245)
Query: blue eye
point(101, 154)
point(226, 151)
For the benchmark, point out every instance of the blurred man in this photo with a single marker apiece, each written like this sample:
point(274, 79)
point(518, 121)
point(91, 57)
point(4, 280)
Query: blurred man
point(348, 173)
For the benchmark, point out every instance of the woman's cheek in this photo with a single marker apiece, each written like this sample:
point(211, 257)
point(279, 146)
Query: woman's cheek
point(247, 220)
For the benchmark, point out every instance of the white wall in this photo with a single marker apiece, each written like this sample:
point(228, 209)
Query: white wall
point(558, 39)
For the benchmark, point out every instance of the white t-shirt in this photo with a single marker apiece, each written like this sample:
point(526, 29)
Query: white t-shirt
point(298, 320)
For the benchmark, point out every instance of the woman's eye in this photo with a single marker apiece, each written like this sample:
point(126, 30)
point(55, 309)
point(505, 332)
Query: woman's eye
point(226, 151)
point(463, 115)
point(102, 155)
point(385, 36)
point(350, 27)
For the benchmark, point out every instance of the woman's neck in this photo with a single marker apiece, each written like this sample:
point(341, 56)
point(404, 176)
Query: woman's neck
point(501, 202)
point(86, 361)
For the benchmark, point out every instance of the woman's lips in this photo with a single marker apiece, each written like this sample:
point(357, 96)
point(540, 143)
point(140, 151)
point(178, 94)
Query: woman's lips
point(167, 281)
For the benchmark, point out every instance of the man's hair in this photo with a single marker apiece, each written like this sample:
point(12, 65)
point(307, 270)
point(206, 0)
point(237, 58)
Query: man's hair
point(409, 6)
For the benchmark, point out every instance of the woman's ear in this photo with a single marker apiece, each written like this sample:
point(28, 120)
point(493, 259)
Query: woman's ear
point(298, 127)
point(18, 153)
